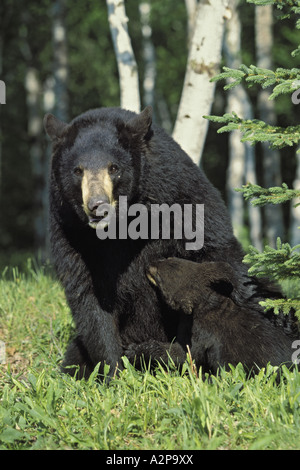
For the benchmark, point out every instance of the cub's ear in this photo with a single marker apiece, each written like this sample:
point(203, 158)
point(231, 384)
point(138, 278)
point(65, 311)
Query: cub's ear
point(221, 277)
point(53, 126)
point(137, 131)
point(222, 286)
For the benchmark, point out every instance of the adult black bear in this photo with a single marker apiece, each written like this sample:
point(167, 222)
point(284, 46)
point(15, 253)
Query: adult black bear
point(101, 155)
point(218, 327)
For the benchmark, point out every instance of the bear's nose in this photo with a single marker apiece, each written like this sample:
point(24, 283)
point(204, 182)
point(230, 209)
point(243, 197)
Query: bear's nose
point(95, 202)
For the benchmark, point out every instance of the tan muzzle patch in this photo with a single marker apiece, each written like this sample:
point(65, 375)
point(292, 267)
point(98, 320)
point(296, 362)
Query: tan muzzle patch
point(94, 185)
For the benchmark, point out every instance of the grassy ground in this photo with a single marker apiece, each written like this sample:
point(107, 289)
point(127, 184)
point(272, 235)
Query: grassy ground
point(42, 409)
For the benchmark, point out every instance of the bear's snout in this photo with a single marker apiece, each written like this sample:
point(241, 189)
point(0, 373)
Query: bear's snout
point(95, 203)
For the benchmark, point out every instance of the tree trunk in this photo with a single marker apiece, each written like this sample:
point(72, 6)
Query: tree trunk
point(128, 72)
point(1, 55)
point(271, 157)
point(295, 211)
point(149, 55)
point(34, 93)
point(241, 166)
point(55, 100)
point(254, 212)
point(203, 63)
point(60, 72)
point(191, 7)
point(164, 113)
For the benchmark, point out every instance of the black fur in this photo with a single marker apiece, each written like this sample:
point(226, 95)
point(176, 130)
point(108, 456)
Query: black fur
point(221, 326)
point(112, 301)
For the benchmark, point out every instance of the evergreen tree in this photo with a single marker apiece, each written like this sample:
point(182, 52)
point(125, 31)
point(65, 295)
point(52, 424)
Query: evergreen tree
point(283, 262)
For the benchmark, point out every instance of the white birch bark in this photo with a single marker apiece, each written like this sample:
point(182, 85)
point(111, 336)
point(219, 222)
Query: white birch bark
point(271, 157)
point(191, 7)
point(203, 63)
point(127, 67)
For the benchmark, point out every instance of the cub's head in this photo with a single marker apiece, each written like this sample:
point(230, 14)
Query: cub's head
point(186, 285)
point(98, 157)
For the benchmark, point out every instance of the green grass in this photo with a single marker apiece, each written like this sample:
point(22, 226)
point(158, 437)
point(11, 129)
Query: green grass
point(40, 408)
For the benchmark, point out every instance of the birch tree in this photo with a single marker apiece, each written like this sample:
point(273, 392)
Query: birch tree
point(241, 166)
point(149, 55)
point(191, 7)
point(203, 63)
point(127, 67)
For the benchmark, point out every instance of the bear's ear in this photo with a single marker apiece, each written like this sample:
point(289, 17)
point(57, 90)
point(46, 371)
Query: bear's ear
point(222, 286)
point(137, 131)
point(53, 126)
point(141, 124)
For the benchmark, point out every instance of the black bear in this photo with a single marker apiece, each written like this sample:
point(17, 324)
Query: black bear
point(99, 157)
point(219, 328)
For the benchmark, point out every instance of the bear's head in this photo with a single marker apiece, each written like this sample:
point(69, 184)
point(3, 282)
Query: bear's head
point(186, 285)
point(98, 157)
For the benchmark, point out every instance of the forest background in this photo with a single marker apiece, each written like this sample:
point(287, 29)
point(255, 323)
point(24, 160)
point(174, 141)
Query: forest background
point(31, 53)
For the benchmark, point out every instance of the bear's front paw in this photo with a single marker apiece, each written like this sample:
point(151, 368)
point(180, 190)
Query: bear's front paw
point(132, 351)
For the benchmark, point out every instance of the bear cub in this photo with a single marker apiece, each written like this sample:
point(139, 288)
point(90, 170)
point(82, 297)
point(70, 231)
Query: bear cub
point(220, 328)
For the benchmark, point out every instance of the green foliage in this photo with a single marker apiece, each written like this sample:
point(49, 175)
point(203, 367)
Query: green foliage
point(285, 80)
point(275, 195)
point(292, 7)
point(255, 130)
point(279, 263)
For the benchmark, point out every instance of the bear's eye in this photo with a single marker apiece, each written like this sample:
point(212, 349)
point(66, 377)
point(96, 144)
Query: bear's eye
point(113, 168)
point(78, 171)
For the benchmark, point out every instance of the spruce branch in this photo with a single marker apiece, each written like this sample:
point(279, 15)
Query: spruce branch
point(275, 195)
point(285, 81)
point(292, 5)
point(282, 305)
point(279, 263)
point(258, 131)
